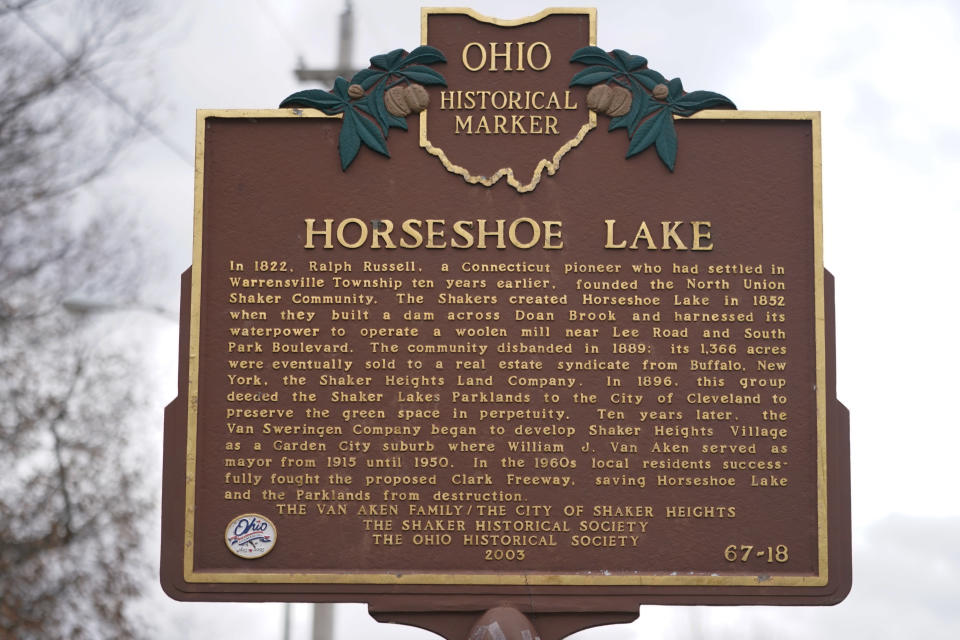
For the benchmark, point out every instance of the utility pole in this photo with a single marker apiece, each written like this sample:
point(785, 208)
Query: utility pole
point(323, 614)
point(344, 55)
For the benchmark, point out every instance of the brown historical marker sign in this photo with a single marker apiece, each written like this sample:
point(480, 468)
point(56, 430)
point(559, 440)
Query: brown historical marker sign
point(491, 360)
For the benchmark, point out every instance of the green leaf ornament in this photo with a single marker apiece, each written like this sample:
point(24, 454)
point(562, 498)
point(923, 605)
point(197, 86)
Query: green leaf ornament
point(654, 99)
point(366, 121)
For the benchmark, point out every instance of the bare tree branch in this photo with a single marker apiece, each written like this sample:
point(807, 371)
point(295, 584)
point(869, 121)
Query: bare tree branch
point(71, 495)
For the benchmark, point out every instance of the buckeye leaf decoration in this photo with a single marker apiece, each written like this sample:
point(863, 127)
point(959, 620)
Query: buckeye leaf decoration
point(653, 99)
point(375, 99)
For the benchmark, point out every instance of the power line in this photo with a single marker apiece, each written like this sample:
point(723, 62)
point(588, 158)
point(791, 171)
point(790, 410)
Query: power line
point(138, 117)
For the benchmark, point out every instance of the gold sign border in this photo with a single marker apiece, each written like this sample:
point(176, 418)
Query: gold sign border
point(507, 578)
point(548, 165)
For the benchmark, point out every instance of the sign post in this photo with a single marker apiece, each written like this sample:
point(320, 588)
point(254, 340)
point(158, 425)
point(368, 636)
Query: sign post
point(509, 324)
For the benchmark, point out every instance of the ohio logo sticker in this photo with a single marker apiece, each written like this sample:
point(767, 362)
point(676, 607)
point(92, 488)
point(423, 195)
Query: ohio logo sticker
point(251, 536)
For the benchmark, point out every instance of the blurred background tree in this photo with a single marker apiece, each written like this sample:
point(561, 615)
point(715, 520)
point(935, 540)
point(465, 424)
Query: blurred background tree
point(71, 491)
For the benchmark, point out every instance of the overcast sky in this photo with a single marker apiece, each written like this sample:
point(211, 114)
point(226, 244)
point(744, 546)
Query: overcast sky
point(884, 75)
